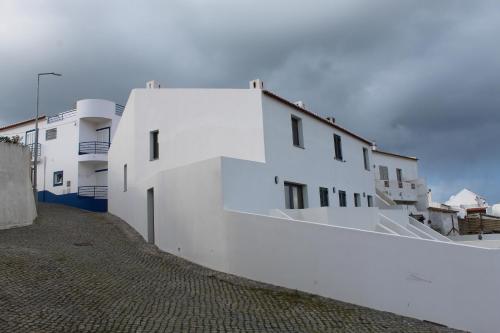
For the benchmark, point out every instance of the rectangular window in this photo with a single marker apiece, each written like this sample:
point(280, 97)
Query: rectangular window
point(342, 199)
point(366, 159)
point(369, 200)
point(297, 132)
point(384, 174)
point(51, 134)
point(124, 178)
point(337, 140)
point(294, 196)
point(323, 197)
point(154, 149)
point(58, 178)
point(357, 200)
point(399, 177)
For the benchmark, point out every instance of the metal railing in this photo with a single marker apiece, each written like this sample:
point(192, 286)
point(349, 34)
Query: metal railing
point(31, 146)
point(93, 147)
point(119, 109)
point(61, 116)
point(96, 192)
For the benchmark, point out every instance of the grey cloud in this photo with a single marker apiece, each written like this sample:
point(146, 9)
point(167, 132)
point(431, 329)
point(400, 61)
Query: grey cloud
point(419, 77)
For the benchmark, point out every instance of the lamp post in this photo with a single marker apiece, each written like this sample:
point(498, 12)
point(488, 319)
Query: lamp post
point(35, 150)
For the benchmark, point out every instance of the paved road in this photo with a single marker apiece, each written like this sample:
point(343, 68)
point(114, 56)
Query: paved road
point(76, 271)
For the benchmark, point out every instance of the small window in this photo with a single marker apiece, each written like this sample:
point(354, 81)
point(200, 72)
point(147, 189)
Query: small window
point(124, 178)
point(357, 200)
point(297, 132)
point(369, 200)
point(342, 199)
point(323, 197)
point(384, 174)
point(58, 178)
point(154, 149)
point(294, 196)
point(366, 159)
point(337, 140)
point(399, 177)
point(51, 134)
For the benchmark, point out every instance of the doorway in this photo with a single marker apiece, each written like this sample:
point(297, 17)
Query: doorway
point(151, 215)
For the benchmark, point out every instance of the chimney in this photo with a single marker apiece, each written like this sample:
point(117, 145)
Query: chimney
point(300, 104)
point(374, 145)
point(256, 84)
point(153, 84)
point(331, 119)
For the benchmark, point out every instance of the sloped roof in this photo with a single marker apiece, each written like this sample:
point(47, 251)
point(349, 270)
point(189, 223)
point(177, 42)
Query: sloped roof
point(21, 123)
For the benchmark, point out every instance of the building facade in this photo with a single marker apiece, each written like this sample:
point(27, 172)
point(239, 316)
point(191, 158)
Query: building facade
point(72, 152)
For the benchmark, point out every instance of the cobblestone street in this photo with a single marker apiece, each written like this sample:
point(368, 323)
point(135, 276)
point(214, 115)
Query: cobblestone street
point(77, 271)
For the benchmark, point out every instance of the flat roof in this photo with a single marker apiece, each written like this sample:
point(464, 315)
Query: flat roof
point(21, 123)
point(444, 210)
point(314, 115)
point(395, 155)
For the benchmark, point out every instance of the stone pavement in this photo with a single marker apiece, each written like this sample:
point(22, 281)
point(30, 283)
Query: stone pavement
point(77, 271)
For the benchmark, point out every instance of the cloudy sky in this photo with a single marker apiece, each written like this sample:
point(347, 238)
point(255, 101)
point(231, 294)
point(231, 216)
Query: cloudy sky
point(420, 77)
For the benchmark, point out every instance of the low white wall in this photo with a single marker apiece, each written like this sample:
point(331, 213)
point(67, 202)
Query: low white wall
point(359, 218)
point(412, 277)
point(17, 204)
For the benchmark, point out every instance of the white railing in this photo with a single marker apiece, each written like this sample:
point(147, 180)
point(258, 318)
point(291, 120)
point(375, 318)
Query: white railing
point(405, 190)
point(61, 116)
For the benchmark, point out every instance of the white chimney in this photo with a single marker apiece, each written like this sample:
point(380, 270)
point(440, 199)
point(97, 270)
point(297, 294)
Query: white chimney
point(256, 84)
point(300, 104)
point(153, 84)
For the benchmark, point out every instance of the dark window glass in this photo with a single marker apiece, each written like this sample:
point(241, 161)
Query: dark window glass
point(369, 199)
point(154, 146)
point(399, 176)
point(323, 197)
point(124, 178)
point(366, 159)
point(357, 200)
point(296, 131)
point(337, 140)
point(294, 196)
point(342, 199)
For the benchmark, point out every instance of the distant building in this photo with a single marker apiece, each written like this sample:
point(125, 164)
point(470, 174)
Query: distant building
point(72, 152)
point(468, 202)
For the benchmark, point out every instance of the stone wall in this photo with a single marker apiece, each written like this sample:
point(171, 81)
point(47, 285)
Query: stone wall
point(17, 204)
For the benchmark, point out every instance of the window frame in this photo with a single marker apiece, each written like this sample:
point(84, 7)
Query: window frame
point(337, 145)
point(50, 130)
point(342, 198)
point(357, 200)
point(54, 184)
point(297, 132)
point(125, 177)
point(324, 200)
point(369, 200)
point(366, 159)
point(154, 145)
point(301, 192)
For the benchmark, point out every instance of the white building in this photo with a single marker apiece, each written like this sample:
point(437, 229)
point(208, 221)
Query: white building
point(245, 182)
point(399, 186)
point(466, 200)
point(72, 152)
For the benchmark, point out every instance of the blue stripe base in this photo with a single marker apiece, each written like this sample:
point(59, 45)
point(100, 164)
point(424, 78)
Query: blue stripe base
point(72, 199)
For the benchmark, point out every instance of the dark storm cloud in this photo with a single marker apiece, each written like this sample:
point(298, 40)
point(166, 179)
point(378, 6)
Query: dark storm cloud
point(420, 77)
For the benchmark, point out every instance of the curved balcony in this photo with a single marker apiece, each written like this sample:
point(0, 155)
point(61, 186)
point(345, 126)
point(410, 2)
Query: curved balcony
point(93, 151)
point(96, 110)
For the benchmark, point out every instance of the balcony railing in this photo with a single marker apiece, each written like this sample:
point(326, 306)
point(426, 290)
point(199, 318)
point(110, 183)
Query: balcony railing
point(96, 192)
point(405, 190)
point(119, 109)
point(93, 147)
point(61, 116)
point(31, 146)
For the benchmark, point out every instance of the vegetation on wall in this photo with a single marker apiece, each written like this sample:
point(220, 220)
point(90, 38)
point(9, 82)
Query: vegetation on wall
point(14, 139)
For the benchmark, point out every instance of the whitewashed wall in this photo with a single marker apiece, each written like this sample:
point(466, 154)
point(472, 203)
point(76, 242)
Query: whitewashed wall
point(315, 165)
point(17, 204)
point(416, 278)
point(409, 167)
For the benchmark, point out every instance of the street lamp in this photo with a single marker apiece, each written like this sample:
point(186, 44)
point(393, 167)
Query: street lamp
point(35, 151)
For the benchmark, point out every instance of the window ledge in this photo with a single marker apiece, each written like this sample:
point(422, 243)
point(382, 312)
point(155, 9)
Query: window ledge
point(301, 147)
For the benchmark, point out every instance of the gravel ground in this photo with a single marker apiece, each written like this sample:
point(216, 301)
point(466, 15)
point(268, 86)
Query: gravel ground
point(77, 271)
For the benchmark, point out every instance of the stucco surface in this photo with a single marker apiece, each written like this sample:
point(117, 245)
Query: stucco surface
point(17, 204)
point(77, 271)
